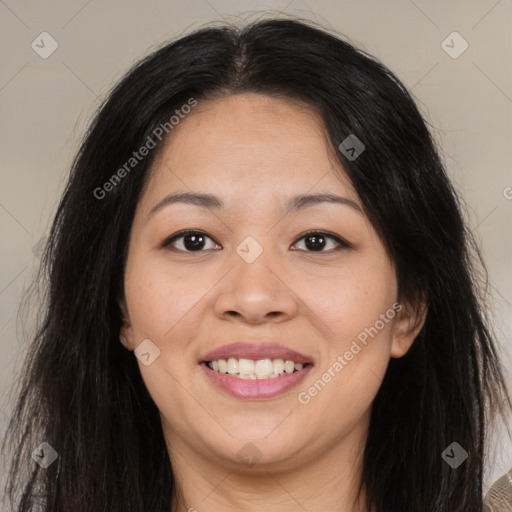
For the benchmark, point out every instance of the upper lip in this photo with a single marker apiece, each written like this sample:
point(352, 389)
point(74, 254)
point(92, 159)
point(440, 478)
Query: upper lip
point(261, 350)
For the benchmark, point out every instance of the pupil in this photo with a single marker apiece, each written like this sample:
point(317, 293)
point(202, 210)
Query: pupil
point(313, 242)
point(193, 241)
point(314, 245)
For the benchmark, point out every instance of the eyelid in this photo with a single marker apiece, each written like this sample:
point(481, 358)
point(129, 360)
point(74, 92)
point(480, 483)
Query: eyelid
point(328, 234)
point(167, 241)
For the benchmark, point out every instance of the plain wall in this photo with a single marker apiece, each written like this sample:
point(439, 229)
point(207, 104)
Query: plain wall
point(45, 105)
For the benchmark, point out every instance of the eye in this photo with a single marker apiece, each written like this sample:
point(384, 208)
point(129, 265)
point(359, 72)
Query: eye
point(197, 241)
point(189, 241)
point(316, 241)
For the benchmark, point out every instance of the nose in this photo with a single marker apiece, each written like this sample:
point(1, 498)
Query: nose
point(255, 293)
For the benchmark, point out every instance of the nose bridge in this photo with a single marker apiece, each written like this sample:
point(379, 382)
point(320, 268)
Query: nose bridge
point(255, 290)
point(255, 267)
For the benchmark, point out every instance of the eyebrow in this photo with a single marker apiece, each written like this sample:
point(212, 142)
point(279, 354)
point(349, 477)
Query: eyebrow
point(212, 202)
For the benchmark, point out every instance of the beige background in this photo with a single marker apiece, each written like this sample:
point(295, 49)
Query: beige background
point(45, 105)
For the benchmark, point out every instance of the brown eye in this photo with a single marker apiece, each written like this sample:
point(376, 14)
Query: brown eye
point(189, 241)
point(317, 241)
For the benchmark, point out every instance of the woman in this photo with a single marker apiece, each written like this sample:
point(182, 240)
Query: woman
point(260, 296)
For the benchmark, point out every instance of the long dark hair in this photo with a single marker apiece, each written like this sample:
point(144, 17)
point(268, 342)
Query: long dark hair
point(82, 391)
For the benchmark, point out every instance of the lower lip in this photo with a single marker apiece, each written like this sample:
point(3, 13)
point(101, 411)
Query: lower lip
point(255, 389)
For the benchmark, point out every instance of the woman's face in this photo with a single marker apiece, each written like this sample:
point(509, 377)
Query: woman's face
point(252, 277)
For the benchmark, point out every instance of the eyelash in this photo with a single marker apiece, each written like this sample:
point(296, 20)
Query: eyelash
point(342, 243)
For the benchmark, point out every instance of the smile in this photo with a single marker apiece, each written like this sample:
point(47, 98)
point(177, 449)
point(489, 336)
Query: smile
point(260, 369)
point(256, 380)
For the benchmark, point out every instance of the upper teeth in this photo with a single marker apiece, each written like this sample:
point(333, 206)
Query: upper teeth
point(249, 369)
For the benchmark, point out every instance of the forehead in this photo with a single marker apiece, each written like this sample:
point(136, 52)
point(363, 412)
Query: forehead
point(251, 145)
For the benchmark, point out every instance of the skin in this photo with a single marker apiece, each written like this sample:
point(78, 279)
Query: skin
point(255, 152)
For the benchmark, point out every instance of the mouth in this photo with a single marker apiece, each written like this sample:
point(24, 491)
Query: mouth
point(255, 371)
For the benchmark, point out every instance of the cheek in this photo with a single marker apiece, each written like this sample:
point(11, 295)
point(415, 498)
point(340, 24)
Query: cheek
point(161, 301)
point(355, 311)
point(350, 300)
point(350, 376)
point(161, 306)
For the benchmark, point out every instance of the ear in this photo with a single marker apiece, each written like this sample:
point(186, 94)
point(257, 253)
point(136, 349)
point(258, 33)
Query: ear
point(125, 333)
point(408, 323)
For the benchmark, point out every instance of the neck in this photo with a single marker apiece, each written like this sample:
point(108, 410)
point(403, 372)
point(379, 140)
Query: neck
point(329, 481)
